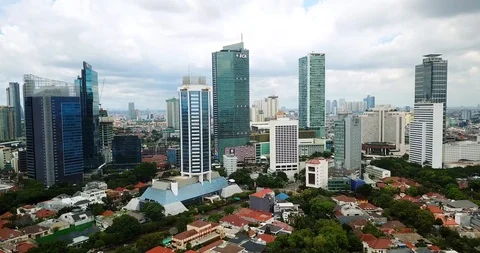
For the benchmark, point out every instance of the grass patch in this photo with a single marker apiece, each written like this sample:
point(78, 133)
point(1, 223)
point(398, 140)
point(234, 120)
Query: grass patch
point(56, 235)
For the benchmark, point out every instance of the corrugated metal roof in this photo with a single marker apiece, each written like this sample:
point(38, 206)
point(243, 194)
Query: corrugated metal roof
point(184, 193)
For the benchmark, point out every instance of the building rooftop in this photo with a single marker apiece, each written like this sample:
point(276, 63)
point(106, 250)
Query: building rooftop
point(199, 224)
point(317, 160)
point(262, 193)
point(160, 249)
point(254, 214)
point(282, 196)
point(462, 204)
point(234, 220)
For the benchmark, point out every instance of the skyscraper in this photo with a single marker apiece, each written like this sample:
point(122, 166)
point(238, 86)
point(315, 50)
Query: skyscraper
point(106, 135)
point(53, 125)
point(311, 98)
point(195, 128)
point(384, 124)
point(13, 100)
point(284, 146)
point(370, 101)
point(7, 123)
point(431, 82)
point(426, 132)
point(334, 107)
point(231, 97)
point(173, 113)
point(328, 107)
point(131, 111)
point(347, 140)
point(88, 82)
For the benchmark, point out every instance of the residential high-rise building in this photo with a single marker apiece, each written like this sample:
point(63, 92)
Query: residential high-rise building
point(264, 109)
point(466, 115)
point(131, 111)
point(316, 172)
point(230, 163)
point(88, 82)
point(7, 123)
point(431, 82)
point(106, 135)
point(334, 108)
point(272, 107)
point(195, 128)
point(126, 150)
point(13, 100)
point(328, 106)
point(231, 97)
point(173, 113)
point(347, 141)
point(384, 124)
point(426, 134)
point(311, 98)
point(342, 105)
point(370, 102)
point(284, 146)
point(53, 126)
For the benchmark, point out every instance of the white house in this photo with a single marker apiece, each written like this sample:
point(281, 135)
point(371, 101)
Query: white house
point(77, 217)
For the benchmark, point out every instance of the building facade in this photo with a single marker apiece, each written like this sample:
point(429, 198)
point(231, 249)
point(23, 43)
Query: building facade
point(53, 125)
point(132, 113)
point(311, 97)
point(231, 97)
point(173, 156)
point(284, 146)
point(369, 102)
point(316, 172)
point(7, 123)
point(461, 150)
point(347, 141)
point(88, 82)
point(384, 124)
point(126, 150)
point(376, 173)
point(230, 163)
point(173, 113)
point(426, 134)
point(195, 128)
point(431, 82)
point(106, 129)
point(13, 100)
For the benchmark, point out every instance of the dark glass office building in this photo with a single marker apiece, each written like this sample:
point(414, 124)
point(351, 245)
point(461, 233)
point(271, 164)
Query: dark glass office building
point(231, 97)
point(13, 100)
point(53, 122)
point(126, 150)
point(88, 83)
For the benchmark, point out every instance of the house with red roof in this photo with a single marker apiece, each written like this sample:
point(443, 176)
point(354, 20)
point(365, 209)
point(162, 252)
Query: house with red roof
point(6, 216)
point(140, 185)
point(255, 216)
point(24, 247)
point(359, 223)
point(44, 214)
point(11, 235)
point(392, 226)
point(233, 221)
point(378, 245)
point(262, 200)
point(160, 249)
point(266, 238)
point(368, 207)
point(196, 232)
point(342, 200)
point(107, 213)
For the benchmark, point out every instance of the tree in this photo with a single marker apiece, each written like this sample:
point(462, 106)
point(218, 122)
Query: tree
point(153, 211)
point(145, 171)
point(96, 208)
point(124, 228)
point(321, 208)
point(222, 171)
point(149, 241)
point(214, 217)
point(229, 209)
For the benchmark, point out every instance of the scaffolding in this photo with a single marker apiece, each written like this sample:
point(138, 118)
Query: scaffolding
point(42, 87)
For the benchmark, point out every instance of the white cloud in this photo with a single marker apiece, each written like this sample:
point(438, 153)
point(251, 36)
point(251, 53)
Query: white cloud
point(143, 47)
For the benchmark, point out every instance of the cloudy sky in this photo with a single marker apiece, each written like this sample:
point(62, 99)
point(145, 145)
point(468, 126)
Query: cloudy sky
point(143, 47)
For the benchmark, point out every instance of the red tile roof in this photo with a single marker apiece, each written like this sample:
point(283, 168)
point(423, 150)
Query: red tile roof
point(367, 206)
point(234, 220)
point(28, 206)
point(434, 248)
point(262, 193)
point(191, 251)
point(186, 234)
point(108, 213)
point(316, 160)
point(393, 224)
point(266, 238)
point(251, 233)
point(199, 224)
point(359, 223)
point(6, 215)
point(283, 225)
point(344, 198)
point(367, 237)
point(380, 243)
point(254, 214)
point(210, 246)
point(25, 247)
point(7, 234)
point(160, 249)
point(44, 213)
point(140, 185)
point(434, 209)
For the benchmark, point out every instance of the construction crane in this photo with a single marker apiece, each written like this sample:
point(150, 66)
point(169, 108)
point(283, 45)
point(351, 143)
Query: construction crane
point(100, 95)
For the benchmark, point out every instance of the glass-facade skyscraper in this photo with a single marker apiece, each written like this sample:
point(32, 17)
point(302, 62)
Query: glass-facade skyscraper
point(13, 100)
point(88, 83)
point(53, 125)
point(369, 101)
point(347, 141)
point(431, 82)
point(195, 138)
point(311, 93)
point(231, 97)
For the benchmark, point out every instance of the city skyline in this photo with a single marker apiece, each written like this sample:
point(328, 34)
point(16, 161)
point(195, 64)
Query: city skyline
point(379, 60)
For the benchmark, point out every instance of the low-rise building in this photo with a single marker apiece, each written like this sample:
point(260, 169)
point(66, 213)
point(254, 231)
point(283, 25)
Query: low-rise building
point(339, 184)
point(233, 221)
point(459, 206)
point(35, 231)
point(316, 173)
point(230, 163)
point(197, 233)
point(376, 173)
point(286, 211)
point(255, 216)
point(77, 217)
point(262, 200)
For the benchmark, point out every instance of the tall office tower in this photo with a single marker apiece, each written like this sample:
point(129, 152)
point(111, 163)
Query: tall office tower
point(272, 107)
point(195, 128)
point(53, 127)
point(426, 134)
point(431, 83)
point(13, 100)
point(347, 141)
point(284, 146)
point(173, 113)
point(88, 82)
point(328, 107)
point(231, 97)
point(7, 123)
point(106, 129)
point(384, 124)
point(342, 105)
point(131, 111)
point(334, 107)
point(311, 98)
point(370, 101)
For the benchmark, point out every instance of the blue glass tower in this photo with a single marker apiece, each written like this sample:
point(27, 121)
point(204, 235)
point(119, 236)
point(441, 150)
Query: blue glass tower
point(231, 97)
point(88, 83)
point(195, 128)
point(13, 100)
point(53, 122)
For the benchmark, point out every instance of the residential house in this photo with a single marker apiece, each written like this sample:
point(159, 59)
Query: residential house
point(44, 214)
point(342, 200)
point(368, 207)
point(35, 231)
point(24, 247)
point(262, 200)
point(233, 221)
point(11, 235)
point(392, 226)
point(54, 224)
point(160, 249)
point(459, 206)
point(77, 217)
point(27, 209)
point(286, 211)
point(269, 229)
point(255, 216)
point(197, 233)
point(266, 238)
point(371, 244)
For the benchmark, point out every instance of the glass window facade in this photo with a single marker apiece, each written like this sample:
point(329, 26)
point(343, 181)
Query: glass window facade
point(231, 97)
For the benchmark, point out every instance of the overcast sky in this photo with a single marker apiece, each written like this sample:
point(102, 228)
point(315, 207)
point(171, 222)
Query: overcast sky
point(143, 47)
